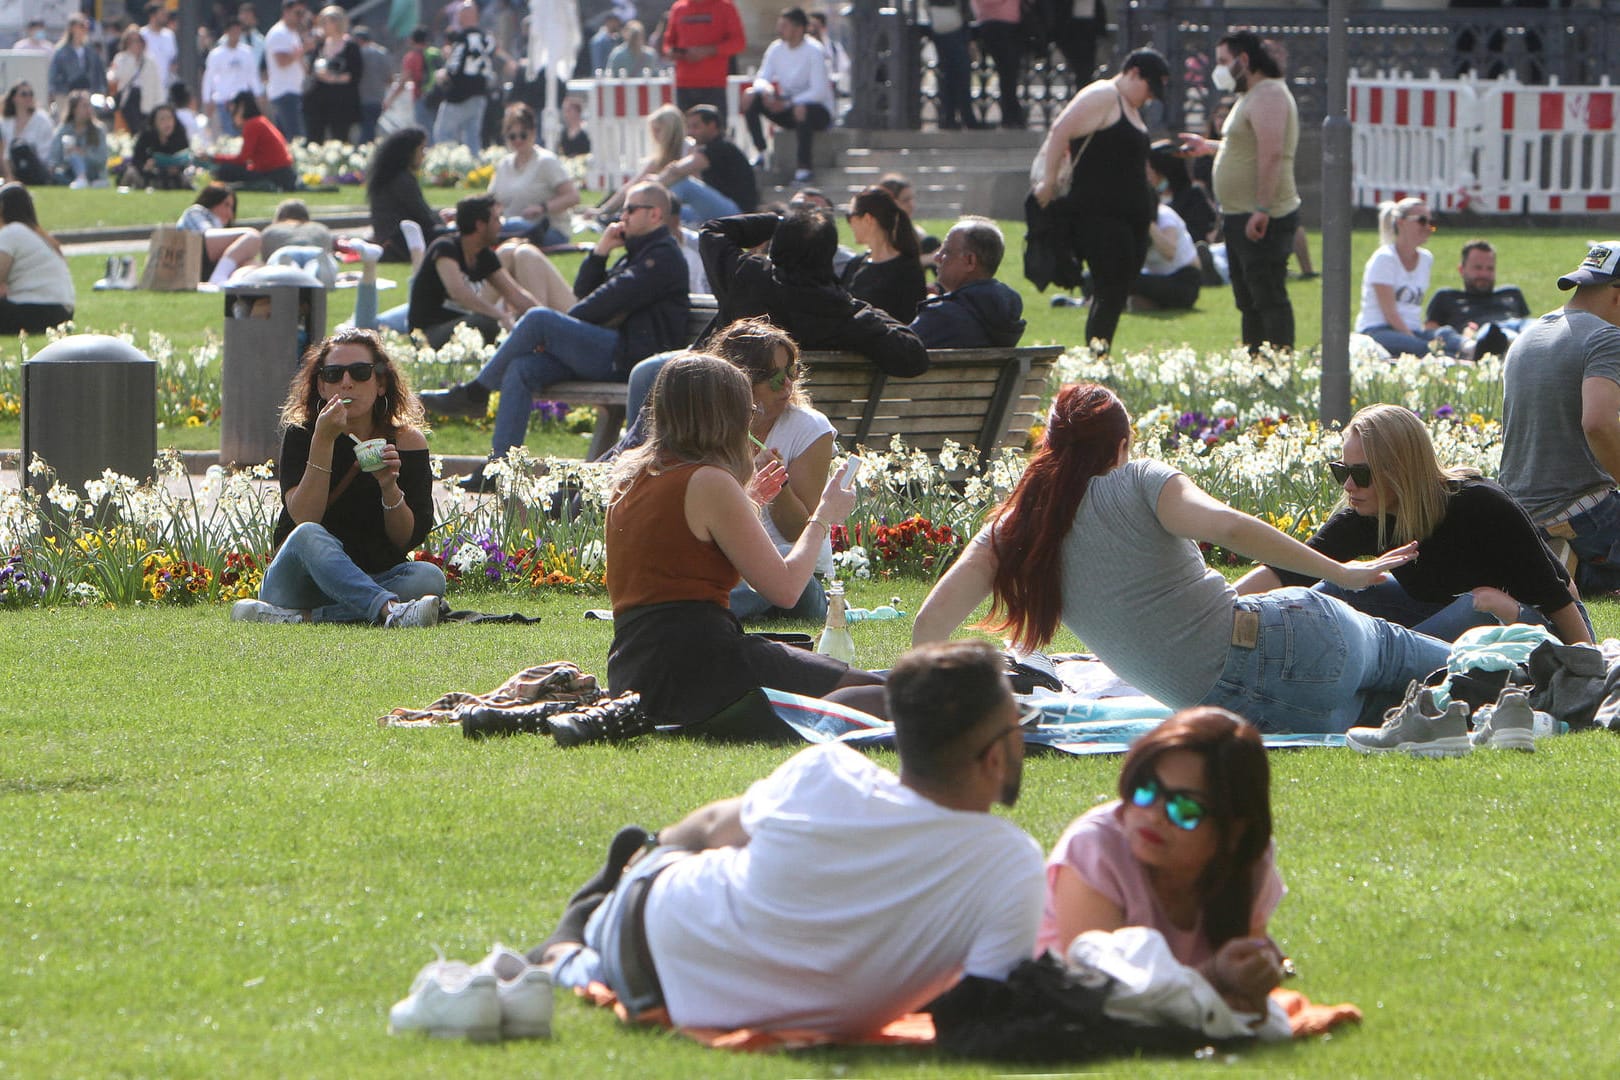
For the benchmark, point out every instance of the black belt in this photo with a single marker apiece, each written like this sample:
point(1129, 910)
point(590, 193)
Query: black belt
point(635, 957)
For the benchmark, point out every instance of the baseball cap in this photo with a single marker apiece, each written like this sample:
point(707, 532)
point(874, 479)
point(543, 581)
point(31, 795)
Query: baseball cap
point(1600, 267)
point(1152, 68)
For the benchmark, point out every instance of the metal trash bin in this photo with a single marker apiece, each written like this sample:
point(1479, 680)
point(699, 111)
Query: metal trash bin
point(89, 403)
point(271, 316)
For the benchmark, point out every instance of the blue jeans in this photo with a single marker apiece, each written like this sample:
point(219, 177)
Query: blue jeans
point(1318, 665)
point(1594, 536)
point(313, 571)
point(700, 202)
point(545, 347)
point(811, 605)
point(600, 957)
point(520, 226)
point(227, 128)
point(287, 111)
point(462, 122)
point(955, 78)
point(1417, 342)
point(1447, 622)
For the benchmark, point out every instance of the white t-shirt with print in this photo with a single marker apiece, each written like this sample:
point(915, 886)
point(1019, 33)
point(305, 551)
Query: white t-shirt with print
point(1384, 268)
point(792, 434)
point(856, 900)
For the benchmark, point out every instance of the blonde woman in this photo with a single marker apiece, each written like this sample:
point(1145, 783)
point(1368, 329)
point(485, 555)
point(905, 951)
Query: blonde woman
point(1480, 560)
point(1394, 280)
point(666, 127)
point(332, 102)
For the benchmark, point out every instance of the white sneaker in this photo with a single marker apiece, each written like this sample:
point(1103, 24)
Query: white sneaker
point(259, 611)
point(368, 252)
point(449, 1000)
point(525, 993)
point(420, 612)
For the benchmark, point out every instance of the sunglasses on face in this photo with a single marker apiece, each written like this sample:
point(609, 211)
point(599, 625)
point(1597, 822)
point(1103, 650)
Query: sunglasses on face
point(333, 373)
point(782, 376)
point(631, 208)
point(1360, 474)
point(1427, 223)
point(515, 136)
point(1028, 718)
point(1184, 811)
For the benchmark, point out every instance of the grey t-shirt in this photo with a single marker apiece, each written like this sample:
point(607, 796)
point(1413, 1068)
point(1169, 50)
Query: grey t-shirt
point(1140, 597)
point(1546, 462)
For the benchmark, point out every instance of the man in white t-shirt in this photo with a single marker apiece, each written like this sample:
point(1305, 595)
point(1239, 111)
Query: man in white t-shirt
point(285, 65)
point(161, 47)
point(792, 89)
point(229, 70)
point(833, 896)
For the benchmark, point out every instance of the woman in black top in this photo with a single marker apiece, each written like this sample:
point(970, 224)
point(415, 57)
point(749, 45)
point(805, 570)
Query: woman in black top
point(332, 102)
point(1106, 214)
point(889, 276)
point(1480, 560)
point(345, 535)
point(161, 155)
point(395, 194)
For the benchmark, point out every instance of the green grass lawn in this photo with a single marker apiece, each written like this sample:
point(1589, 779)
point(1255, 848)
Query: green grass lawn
point(218, 863)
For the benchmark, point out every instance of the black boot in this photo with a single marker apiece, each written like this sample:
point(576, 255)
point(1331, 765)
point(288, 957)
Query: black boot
point(482, 722)
point(614, 720)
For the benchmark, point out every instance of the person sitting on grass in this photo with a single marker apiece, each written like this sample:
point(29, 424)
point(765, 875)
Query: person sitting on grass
point(455, 271)
point(394, 194)
point(349, 521)
point(79, 150)
point(1185, 850)
point(1480, 560)
point(265, 162)
point(1107, 546)
point(224, 247)
point(713, 922)
point(161, 155)
point(36, 287)
point(1393, 283)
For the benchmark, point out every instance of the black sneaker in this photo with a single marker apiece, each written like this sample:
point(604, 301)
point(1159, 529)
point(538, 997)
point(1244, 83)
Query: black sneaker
point(462, 399)
point(477, 483)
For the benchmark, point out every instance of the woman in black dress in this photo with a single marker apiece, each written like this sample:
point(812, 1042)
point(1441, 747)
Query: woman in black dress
point(332, 102)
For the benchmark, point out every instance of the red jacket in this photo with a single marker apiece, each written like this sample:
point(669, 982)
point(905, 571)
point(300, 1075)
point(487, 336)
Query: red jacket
point(703, 22)
point(263, 148)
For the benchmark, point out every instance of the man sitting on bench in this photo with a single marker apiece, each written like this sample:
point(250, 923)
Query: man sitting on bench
point(624, 314)
point(973, 310)
point(904, 885)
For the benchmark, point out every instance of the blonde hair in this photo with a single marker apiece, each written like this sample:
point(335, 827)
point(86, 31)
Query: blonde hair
point(336, 14)
point(668, 129)
point(1391, 214)
point(1400, 455)
point(701, 407)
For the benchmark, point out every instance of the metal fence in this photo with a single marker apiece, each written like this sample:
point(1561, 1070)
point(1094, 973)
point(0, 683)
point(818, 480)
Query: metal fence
point(896, 87)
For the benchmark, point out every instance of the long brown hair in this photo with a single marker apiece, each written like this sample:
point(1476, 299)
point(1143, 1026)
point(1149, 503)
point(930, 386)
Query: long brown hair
point(751, 344)
point(701, 407)
point(395, 407)
point(878, 202)
point(16, 205)
point(1237, 781)
point(1083, 433)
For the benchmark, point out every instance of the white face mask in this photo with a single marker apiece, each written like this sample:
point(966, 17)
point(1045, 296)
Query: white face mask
point(1224, 80)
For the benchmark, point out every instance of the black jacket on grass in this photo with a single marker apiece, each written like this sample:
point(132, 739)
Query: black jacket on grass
point(809, 306)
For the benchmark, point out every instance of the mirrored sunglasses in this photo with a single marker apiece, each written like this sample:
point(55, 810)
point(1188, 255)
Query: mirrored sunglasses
point(360, 372)
point(1184, 811)
point(782, 376)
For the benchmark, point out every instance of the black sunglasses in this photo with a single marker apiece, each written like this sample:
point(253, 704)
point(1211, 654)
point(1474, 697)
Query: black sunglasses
point(333, 373)
point(1361, 474)
point(631, 208)
point(515, 136)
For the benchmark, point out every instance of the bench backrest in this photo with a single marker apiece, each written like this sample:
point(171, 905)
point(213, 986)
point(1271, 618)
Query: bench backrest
point(986, 398)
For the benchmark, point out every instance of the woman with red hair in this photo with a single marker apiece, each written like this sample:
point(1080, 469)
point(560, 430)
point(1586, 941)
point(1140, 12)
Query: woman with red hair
point(1107, 546)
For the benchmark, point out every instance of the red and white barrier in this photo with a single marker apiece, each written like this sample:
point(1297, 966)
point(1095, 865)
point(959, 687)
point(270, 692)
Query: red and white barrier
point(616, 112)
point(1411, 138)
point(1550, 149)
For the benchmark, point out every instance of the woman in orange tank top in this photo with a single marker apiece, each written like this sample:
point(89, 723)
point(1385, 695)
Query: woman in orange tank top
point(682, 529)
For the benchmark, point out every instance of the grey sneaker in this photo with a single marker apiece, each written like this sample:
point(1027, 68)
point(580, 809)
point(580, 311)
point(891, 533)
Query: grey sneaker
point(1416, 727)
point(1510, 725)
point(420, 612)
point(259, 611)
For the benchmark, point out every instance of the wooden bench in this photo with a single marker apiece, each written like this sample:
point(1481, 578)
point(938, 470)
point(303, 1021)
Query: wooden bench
point(985, 398)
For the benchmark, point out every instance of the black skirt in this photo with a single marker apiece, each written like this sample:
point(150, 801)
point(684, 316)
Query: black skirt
point(691, 659)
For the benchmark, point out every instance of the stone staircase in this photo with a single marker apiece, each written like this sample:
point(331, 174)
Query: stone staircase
point(954, 172)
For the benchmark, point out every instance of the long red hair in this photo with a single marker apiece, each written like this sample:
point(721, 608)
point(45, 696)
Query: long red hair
point(1083, 432)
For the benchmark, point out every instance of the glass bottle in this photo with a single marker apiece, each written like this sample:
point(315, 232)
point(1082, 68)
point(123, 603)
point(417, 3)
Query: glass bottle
point(836, 640)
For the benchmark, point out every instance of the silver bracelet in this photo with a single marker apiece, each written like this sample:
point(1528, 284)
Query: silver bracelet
point(395, 506)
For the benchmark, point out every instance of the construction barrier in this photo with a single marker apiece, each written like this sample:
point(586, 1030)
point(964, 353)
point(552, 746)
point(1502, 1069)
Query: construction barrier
point(616, 112)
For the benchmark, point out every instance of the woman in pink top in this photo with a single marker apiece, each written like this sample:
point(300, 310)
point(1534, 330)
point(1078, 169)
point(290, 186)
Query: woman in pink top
point(1185, 851)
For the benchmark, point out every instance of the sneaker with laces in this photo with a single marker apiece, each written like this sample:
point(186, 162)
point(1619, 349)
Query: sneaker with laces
point(1415, 726)
point(423, 611)
point(449, 1000)
point(524, 991)
point(1509, 725)
point(259, 611)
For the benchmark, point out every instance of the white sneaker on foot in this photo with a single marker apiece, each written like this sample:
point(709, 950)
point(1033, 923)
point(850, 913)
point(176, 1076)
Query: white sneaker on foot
point(449, 1000)
point(423, 611)
point(524, 991)
point(259, 611)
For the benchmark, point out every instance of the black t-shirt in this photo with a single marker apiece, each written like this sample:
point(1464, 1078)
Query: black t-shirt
point(428, 294)
point(576, 145)
point(1457, 308)
point(1485, 539)
point(730, 174)
point(355, 517)
point(470, 64)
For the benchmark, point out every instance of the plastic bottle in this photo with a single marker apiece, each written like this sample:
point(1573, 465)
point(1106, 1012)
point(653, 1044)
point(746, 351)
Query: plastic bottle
point(836, 640)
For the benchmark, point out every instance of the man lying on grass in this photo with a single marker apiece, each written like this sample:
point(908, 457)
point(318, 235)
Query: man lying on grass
point(832, 896)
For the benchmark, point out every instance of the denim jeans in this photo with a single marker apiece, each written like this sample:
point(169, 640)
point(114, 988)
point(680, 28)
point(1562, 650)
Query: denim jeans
point(313, 571)
point(642, 377)
point(1259, 271)
point(700, 202)
point(1318, 665)
point(227, 127)
point(288, 113)
point(955, 78)
point(512, 227)
point(1594, 536)
point(462, 122)
point(1417, 342)
point(1447, 621)
point(600, 957)
point(545, 347)
point(811, 605)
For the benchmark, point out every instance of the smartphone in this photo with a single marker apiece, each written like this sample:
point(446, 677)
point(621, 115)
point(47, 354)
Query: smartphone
point(852, 470)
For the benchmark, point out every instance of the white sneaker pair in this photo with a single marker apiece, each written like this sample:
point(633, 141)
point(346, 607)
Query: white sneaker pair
point(502, 996)
point(120, 274)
